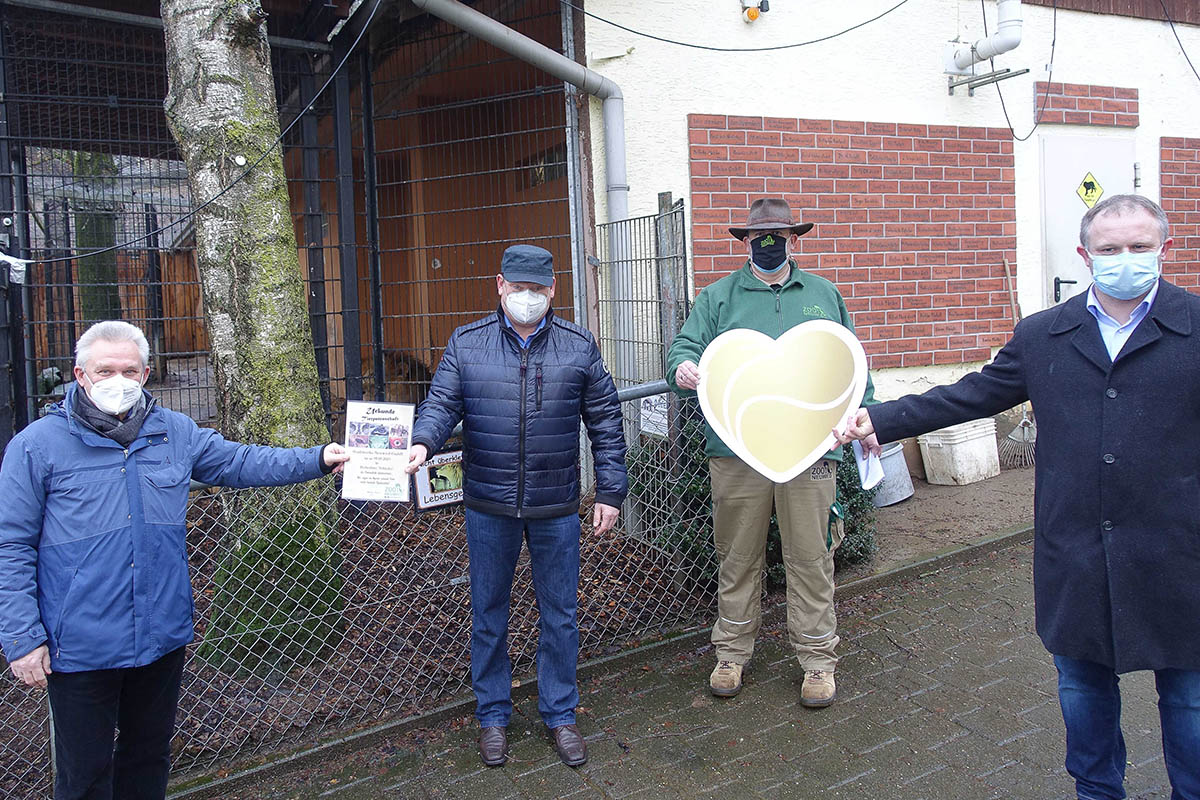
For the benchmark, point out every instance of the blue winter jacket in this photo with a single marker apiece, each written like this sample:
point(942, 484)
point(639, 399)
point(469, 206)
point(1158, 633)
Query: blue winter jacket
point(93, 558)
point(521, 409)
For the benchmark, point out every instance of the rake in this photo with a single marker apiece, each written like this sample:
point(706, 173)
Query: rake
point(1019, 447)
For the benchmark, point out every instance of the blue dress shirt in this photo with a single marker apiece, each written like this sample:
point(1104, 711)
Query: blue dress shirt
point(1115, 334)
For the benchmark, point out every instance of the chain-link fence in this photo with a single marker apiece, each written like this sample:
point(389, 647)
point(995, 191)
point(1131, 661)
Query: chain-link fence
point(375, 627)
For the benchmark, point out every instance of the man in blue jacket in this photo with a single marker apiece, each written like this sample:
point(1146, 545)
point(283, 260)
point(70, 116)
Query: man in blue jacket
point(95, 598)
point(520, 380)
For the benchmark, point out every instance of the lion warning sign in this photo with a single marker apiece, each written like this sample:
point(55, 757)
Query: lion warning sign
point(1089, 190)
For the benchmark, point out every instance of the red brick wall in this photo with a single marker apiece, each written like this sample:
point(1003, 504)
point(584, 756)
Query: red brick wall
point(1179, 161)
point(912, 222)
point(1083, 104)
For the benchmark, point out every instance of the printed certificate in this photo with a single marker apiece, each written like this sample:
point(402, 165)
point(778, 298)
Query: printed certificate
point(378, 436)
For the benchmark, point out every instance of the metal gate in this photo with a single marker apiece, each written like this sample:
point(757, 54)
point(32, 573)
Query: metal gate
point(409, 176)
point(644, 295)
point(92, 168)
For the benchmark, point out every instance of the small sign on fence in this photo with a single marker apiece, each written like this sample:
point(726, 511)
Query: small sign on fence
point(440, 480)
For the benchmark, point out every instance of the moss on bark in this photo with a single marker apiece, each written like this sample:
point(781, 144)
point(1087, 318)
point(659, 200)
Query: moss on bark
point(278, 600)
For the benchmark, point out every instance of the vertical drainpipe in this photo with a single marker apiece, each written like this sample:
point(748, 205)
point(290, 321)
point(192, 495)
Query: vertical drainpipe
point(613, 109)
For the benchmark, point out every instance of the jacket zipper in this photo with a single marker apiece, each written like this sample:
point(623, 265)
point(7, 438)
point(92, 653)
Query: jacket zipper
point(521, 435)
point(778, 291)
point(539, 388)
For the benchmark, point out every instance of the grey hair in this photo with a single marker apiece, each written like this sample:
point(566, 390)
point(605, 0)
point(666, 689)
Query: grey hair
point(1124, 204)
point(113, 330)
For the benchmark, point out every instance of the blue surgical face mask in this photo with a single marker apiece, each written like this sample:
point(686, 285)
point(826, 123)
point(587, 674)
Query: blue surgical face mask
point(1125, 275)
point(769, 252)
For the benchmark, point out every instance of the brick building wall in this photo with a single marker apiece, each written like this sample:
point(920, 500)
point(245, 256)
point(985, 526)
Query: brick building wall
point(912, 222)
point(1180, 176)
point(1086, 104)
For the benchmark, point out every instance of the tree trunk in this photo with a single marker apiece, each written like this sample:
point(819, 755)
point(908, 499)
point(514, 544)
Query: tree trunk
point(279, 587)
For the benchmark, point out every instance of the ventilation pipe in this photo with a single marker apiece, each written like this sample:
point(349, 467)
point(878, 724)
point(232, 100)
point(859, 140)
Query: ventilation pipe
point(959, 58)
point(563, 68)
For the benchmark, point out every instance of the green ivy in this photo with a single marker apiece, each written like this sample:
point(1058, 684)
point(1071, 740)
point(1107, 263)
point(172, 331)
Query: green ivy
point(278, 602)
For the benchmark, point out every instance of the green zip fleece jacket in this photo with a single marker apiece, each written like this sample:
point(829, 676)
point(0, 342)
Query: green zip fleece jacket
point(740, 300)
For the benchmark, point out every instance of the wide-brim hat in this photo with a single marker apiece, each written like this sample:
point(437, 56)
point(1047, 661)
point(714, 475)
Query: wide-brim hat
point(527, 263)
point(771, 214)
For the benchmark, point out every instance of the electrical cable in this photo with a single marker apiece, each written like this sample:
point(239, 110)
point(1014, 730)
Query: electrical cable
point(1037, 120)
point(1167, 14)
point(270, 149)
point(730, 49)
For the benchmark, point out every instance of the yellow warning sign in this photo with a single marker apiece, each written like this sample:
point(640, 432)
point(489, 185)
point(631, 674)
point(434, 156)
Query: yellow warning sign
point(1089, 190)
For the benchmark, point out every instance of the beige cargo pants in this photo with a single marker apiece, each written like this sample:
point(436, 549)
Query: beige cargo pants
point(742, 502)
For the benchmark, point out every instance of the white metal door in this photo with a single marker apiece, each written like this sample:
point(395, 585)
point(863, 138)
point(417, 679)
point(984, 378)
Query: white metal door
point(1077, 172)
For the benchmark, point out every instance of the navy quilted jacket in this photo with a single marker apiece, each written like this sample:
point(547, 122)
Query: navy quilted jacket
point(520, 410)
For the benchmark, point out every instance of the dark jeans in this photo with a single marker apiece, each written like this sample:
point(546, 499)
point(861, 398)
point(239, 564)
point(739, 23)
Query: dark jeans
point(89, 707)
point(494, 543)
point(1091, 706)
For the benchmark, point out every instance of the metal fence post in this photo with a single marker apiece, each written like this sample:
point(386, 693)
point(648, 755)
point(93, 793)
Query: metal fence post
point(672, 286)
point(314, 244)
point(347, 257)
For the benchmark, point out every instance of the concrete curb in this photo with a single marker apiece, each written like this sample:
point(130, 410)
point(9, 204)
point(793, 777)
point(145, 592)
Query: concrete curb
point(199, 788)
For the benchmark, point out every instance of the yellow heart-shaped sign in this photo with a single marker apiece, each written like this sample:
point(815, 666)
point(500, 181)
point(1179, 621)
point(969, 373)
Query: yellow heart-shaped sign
point(774, 402)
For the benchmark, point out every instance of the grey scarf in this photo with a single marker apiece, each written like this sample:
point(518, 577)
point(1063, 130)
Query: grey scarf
point(121, 431)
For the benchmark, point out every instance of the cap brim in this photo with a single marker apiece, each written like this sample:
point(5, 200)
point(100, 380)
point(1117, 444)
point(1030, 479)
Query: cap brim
point(798, 230)
point(516, 276)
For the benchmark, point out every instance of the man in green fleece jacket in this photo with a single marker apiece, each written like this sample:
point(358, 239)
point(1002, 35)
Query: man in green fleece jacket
point(770, 295)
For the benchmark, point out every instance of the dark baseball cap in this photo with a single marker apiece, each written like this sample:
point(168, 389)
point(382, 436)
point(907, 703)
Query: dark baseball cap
point(526, 263)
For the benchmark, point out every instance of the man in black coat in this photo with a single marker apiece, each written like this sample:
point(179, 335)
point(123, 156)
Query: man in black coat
point(521, 380)
point(1117, 506)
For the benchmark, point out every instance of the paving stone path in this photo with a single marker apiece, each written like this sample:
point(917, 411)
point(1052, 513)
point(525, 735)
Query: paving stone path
point(944, 693)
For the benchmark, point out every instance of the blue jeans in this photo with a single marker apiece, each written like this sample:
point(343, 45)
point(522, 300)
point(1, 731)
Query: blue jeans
point(1091, 707)
point(89, 707)
point(494, 543)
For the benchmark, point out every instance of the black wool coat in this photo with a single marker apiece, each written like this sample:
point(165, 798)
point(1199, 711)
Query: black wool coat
point(521, 409)
point(1117, 497)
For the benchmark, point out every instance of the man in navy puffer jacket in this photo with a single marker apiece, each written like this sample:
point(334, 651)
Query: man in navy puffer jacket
point(95, 599)
point(521, 380)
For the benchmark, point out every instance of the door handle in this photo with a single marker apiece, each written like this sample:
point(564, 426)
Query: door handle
point(1058, 282)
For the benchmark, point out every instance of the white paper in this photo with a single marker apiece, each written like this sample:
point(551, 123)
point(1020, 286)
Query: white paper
point(870, 469)
point(378, 436)
point(16, 268)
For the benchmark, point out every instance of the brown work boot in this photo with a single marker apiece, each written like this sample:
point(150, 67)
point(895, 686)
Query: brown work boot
point(726, 679)
point(493, 746)
point(818, 689)
point(569, 744)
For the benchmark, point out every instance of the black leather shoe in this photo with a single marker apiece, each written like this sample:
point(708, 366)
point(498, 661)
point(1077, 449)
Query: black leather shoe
point(493, 746)
point(569, 745)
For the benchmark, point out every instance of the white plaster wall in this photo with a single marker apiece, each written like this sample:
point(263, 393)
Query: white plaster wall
point(889, 70)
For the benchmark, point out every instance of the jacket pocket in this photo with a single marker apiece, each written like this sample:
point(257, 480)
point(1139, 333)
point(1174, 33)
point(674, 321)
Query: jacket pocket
point(64, 604)
point(83, 503)
point(165, 493)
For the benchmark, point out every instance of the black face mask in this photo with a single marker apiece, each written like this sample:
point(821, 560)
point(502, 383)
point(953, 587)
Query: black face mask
point(769, 252)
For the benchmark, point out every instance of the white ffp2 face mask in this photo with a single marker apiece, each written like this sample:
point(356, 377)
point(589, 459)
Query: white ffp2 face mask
point(527, 306)
point(114, 395)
